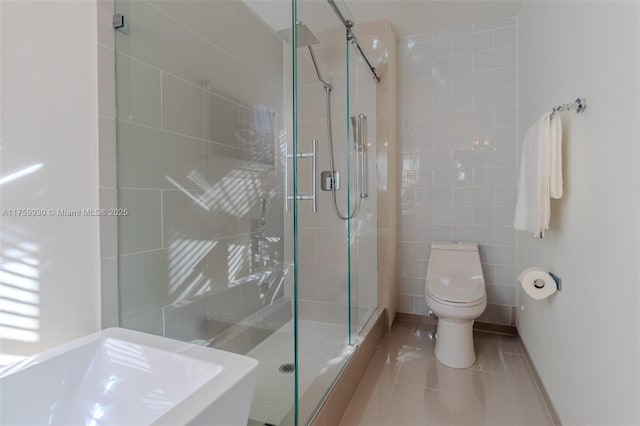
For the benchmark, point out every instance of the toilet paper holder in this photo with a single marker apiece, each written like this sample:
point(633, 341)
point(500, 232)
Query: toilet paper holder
point(556, 279)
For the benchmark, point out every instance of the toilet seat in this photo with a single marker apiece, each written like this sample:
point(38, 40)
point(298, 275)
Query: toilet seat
point(456, 291)
point(457, 304)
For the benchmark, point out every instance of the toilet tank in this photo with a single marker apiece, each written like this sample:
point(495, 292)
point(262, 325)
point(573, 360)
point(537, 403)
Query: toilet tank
point(459, 260)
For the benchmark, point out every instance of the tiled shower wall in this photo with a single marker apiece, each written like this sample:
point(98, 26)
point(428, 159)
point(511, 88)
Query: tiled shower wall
point(458, 156)
point(324, 286)
point(199, 114)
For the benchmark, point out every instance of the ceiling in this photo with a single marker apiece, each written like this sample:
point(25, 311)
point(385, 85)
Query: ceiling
point(407, 16)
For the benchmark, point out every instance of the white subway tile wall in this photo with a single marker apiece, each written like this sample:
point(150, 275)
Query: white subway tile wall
point(323, 240)
point(458, 156)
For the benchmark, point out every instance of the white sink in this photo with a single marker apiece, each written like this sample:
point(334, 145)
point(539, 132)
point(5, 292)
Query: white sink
point(124, 377)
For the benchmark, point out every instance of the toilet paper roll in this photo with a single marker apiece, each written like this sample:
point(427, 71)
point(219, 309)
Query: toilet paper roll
point(537, 283)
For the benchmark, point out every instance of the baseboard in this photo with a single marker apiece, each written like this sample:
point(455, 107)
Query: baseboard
point(415, 318)
point(510, 330)
point(483, 326)
point(543, 391)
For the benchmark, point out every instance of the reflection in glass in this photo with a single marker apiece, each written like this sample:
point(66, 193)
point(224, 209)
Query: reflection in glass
point(205, 143)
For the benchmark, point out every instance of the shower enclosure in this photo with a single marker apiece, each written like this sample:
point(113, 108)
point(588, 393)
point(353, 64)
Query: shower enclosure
point(247, 160)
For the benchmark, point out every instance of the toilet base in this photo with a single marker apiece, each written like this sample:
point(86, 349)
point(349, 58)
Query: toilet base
point(454, 344)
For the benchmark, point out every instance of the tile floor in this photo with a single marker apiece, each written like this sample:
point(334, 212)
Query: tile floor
point(405, 385)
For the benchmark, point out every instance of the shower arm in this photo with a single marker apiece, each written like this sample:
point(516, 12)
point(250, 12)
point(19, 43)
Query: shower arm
point(328, 87)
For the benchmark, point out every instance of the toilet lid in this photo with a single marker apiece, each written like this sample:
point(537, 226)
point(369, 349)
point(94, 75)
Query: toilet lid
point(456, 290)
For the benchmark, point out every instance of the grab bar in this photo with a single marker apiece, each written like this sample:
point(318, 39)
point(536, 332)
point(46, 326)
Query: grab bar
point(362, 133)
point(356, 124)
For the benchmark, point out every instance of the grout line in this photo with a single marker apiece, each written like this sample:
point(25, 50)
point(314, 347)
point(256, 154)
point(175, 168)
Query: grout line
point(140, 252)
point(183, 80)
point(142, 188)
point(193, 138)
point(210, 43)
point(229, 237)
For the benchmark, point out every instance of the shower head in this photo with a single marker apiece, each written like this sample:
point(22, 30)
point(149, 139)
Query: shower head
point(305, 38)
point(304, 35)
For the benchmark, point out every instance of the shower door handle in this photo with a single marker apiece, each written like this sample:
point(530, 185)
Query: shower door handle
point(314, 178)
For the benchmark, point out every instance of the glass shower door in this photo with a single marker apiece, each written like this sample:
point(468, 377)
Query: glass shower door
point(323, 346)
point(224, 145)
point(203, 123)
point(363, 227)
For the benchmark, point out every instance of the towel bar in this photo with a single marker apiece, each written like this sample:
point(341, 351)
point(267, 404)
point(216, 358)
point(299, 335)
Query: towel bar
point(579, 105)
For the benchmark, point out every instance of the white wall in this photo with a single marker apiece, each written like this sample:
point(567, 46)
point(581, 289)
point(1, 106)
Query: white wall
point(584, 340)
point(49, 266)
point(457, 104)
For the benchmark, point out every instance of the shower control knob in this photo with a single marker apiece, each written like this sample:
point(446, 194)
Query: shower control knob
point(329, 180)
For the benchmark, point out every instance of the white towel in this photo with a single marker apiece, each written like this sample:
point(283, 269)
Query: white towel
point(555, 173)
point(540, 175)
point(529, 207)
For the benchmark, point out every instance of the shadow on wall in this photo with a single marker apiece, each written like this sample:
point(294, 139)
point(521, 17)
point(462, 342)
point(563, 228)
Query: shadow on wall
point(19, 290)
point(220, 241)
point(19, 278)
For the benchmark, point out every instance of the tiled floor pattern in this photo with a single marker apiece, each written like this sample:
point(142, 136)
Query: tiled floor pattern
point(406, 385)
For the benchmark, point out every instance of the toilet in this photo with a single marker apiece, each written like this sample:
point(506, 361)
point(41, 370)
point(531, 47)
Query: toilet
point(455, 293)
